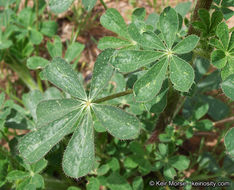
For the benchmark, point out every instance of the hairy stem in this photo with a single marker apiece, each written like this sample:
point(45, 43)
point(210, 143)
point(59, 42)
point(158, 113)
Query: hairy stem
point(113, 96)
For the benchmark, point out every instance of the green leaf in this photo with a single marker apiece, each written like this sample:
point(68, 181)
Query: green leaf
point(89, 4)
point(169, 25)
point(228, 69)
point(55, 49)
point(181, 74)
point(223, 34)
point(49, 28)
point(158, 104)
point(102, 73)
point(216, 18)
point(51, 110)
point(163, 149)
point(93, 184)
point(113, 21)
point(31, 101)
point(39, 166)
point(146, 39)
point(59, 6)
point(79, 157)
point(169, 172)
point(103, 169)
point(4, 44)
point(152, 20)
point(204, 125)
point(148, 86)
point(112, 42)
point(129, 162)
point(205, 17)
point(114, 164)
point(36, 62)
point(138, 183)
point(228, 86)
point(36, 144)
point(73, 51)
point(117, 182)
point(37, 180)
point(229, 142)
point(17, 175)
point(131, 60)
point(61, 74)
point(218, 59)
point(231, 42)
point(200, 111)
point(138, 14)
point(183, 8)
point(181, 163)
point(35, 36)
point(186, 45)
point(120, 124)
point(3, 171)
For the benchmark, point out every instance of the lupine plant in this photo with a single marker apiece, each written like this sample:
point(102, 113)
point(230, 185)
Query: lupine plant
point(157, 86)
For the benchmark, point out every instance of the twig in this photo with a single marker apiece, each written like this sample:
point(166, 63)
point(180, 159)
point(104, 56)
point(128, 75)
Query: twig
point(221, 122)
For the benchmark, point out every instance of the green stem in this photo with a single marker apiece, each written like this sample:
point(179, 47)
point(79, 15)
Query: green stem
point(104, 4)
point(113, 96)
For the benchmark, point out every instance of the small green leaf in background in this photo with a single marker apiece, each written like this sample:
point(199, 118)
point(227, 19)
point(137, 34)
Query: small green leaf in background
point(181, 163)
point(59, 6)
point(36, 62)
point(79, 157)
point(93, 184)
point(17, 175)
point(228, 86)
point(229, 142)
point(89, 4)
point(49, 28)
point(73, 51)
point(35, 36)
point(55, 49)
point(138, 183)
point(200, 111)
point(183, 8)
point(169, 172)
point(204, 125)
point(117, 182)
point(123, 125)
point(3, 171)
point(113, 21)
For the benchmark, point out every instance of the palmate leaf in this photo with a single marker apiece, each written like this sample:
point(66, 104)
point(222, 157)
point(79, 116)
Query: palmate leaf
point(79, 157)
point(218, 59)
point(131, 60)
point(181, 74)
point(36, 144)
point(61, 74)
point(169, 24)
point(148, 86)
point(120, 124)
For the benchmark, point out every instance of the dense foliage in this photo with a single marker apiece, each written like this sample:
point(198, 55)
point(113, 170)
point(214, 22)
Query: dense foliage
point(137, 120)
